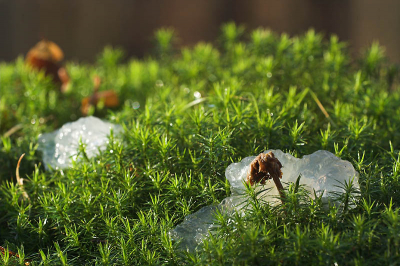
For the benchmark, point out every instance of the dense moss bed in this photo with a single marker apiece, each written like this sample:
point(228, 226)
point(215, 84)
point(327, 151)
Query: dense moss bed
point(187, 114)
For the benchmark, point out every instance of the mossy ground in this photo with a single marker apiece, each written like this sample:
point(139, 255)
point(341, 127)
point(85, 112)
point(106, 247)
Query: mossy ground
point(202, 108)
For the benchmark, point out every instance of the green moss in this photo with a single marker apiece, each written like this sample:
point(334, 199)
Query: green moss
point(201, 109)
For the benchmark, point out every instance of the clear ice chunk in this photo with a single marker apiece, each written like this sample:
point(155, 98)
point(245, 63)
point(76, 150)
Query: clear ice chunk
point(321, 171)
point(195, 226)
point(61, 146)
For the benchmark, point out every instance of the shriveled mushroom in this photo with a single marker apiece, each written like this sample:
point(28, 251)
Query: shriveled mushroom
point(265, 166)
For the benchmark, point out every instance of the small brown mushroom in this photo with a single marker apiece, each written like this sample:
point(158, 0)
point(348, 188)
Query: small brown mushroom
point(47, 55)
point(265, 166)
point(109, 98)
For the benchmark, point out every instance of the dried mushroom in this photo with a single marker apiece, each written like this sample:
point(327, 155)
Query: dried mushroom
point(265, 166)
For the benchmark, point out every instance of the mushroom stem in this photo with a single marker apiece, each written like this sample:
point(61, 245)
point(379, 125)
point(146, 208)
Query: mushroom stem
point(264, 167)
point(279, 186)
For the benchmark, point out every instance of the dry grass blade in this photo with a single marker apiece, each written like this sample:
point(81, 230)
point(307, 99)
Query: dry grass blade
point(12, 130)
point(20, 181)
point(321, 107)
point(193, 103)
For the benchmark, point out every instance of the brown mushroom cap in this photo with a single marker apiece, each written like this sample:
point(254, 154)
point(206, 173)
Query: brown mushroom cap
point(265, 166)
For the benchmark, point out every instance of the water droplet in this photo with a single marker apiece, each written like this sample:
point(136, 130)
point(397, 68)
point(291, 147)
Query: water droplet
point(135, 105)
point(111, 151)
point(197, 94)
point(159, 83)
point(33, 121)
point(187, 90)
point(269, 75)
